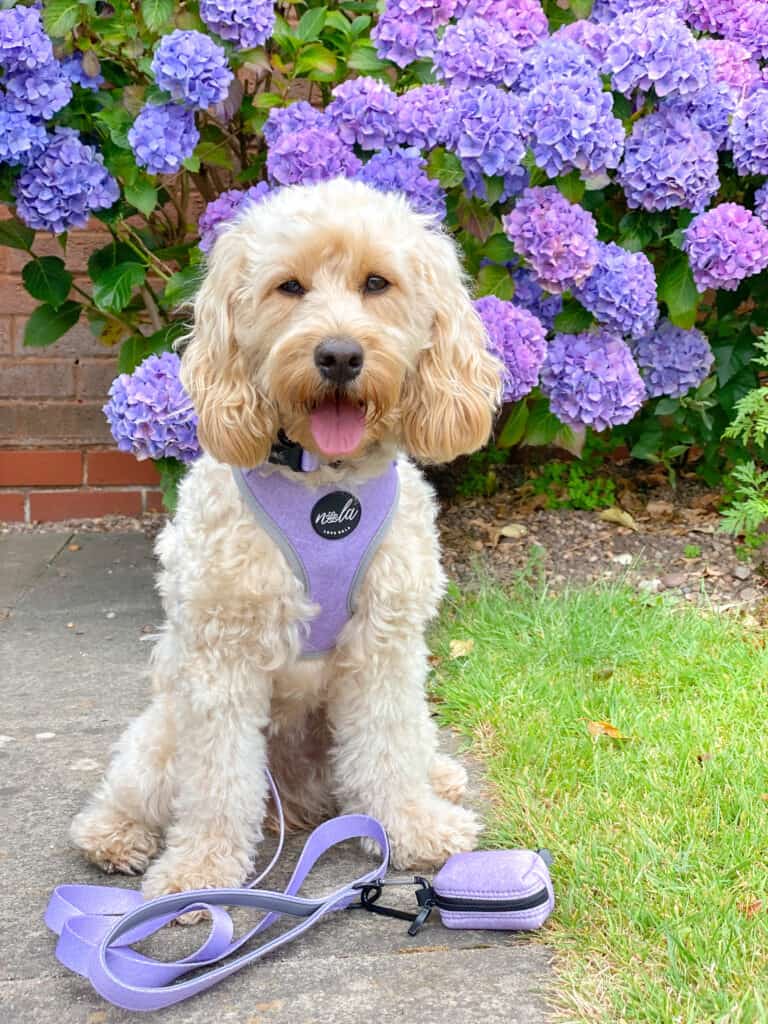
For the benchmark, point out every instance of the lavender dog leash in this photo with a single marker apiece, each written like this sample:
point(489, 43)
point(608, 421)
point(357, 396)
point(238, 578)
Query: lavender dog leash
point(97, 925)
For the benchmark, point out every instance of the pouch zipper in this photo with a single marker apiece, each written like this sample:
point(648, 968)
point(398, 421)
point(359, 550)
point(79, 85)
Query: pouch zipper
point(460, 903)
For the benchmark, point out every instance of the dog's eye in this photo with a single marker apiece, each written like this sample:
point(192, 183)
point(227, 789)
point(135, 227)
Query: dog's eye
point(292, 287)
point(375, 283)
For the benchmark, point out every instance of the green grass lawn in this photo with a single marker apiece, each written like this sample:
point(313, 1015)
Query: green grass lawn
point(660, 841)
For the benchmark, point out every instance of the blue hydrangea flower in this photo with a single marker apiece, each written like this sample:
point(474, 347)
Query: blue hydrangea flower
point(402, 170)
point(483, 129)
point(402, 40)
point(364, 111)
point(591, 380)
point(150, 414)
point(39, 93)
point(425, 12)
point(725, 245)
point(569, 125)
point(557, 238)
point(224, 209)
point(163, 137)
point(66, 183)
point(292, 119)
point(525, 20)
point(591, 37)
point(672, 361)
point(310, 155)
point(711, 109)
point(606, 11)
point(247, 23)
point(421, 116)
point(76, 73)
point(749, 134)
point(761, 203)
point(669, 162)
point(24, 45)
point(531, 296)
point(655, 50)
point(732, 64)
point(556, 57)
point(477, 52)
point(621, 291)
point(21, 140)
point(516, 338)
point(192, 67)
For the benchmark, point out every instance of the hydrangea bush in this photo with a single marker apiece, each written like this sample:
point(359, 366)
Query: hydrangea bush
point(601, 165)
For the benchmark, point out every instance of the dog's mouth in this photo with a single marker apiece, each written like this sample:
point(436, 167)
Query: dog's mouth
point(337, 424)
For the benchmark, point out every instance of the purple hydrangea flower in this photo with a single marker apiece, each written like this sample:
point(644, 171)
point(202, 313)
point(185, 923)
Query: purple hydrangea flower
point(39, 93)
point(556, 57)
point(192, 68)
point(606, 11)
point(669, 162)
point(725, 245)
point(76, 73)
point(655, 50)
point(24, 45)
point(672, 361)
point(710, 109)
point(569, 125)
point(746, 22)
point(761, 203)
point(557, 238)
point(402, 170)
point(425, 12)
point(621, 291)
point(292, 119)
point(531, 296)
point(163, 137)
point(477, 52)
point(364, 111)
point(402, 40)
point(709, 15)
point(150, 414)
point(732, 64)
point(421, 116)
point(310, 155)
point(67, 181)
point(749, 134)
point(247, 23)
point(484, 130)
point(224, 208)
point(516, 338)
point(591, 380)
point(21, 140)
point(525, 20)
point(593, 38)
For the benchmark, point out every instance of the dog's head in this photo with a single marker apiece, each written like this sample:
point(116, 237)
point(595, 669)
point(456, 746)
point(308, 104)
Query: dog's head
point(337, 314)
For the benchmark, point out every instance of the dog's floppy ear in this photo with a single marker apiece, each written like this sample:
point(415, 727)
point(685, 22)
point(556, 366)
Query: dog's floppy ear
point(451, 396)
point(236, 423)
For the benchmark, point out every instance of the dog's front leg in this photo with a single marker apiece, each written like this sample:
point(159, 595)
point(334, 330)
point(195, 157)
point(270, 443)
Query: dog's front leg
point(221, 794)
point(384, 751)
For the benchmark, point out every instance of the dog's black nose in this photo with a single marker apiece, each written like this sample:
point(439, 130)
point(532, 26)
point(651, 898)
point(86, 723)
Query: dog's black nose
point(339, 360)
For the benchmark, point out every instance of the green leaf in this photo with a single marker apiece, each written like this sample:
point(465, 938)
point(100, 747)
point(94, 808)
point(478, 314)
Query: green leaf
point(182, 287)
point(172, 472)
point(677, 289)
point(363, 57)
point(267, 100)
point(213, 148)
point(573, 318)
point(513, 430)
point(317, 62)
point(61, 16)
point(446, 168)
point(571, 186)
point(110, 256)
point(494, 279)
point(47, 280)
point(142, 195)
point(337, 20)
point(16, 235)
point(135, 349)
point(360, 24)
point(47, 324)
point(113, 288)
point(157, 14)
point(311, 24)
point(499, 249)
point(542, 426)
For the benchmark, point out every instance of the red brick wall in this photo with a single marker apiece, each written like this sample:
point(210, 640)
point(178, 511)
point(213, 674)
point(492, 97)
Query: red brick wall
point(57, 459)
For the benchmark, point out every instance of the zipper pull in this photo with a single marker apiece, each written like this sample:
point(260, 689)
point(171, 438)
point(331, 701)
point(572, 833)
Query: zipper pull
point(420, 920)
point(425, 897)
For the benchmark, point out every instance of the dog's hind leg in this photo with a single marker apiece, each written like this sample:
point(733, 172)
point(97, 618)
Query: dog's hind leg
point(120, 829)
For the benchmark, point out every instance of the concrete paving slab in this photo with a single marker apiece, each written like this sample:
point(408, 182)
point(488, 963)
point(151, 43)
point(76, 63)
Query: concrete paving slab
point(23, 557)
point(72, 673)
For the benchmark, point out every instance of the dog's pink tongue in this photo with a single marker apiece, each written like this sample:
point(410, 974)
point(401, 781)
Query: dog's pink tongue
point(337, 427)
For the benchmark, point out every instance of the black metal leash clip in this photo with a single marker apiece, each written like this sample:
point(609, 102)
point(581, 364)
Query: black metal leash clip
point(370, 893)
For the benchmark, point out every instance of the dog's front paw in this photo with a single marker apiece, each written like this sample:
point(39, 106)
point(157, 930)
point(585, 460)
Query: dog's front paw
point(182, 870)
point(448, 778)
point(113, 842)
point(426, 833)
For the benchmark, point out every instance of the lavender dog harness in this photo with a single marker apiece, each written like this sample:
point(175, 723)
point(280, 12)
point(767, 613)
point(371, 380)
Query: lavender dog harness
point(328, 534)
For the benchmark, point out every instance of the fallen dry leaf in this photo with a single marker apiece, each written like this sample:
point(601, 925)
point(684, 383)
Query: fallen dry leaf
point(620, 517)
point(601, 728)
point(749, 909)
point(657, 509)
point(434, 660)
point(461, 648)
point(513, 530)
point(73, 547)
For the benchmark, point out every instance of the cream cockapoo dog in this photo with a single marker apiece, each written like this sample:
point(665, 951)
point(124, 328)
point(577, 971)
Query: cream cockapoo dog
point(337, 317)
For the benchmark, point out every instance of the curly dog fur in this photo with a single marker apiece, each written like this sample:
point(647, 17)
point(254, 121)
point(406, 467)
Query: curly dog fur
point(350, 731)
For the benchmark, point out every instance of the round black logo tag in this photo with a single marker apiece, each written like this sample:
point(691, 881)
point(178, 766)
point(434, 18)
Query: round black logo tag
point(336, 515)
